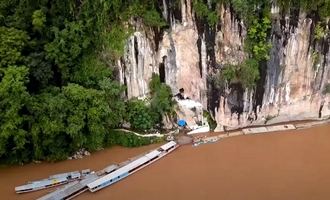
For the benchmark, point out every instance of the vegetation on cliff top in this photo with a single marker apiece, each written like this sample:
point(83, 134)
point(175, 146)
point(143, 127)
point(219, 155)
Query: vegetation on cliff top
point(256, 16)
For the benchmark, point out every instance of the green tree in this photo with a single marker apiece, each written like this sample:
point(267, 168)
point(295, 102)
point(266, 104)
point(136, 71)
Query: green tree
point(38, 19)
point(67, 46)
point(203, 12)
point(13, 100)
point(139, 115)
point(229, 73)
point(90, 71)
point(319, 31)
point(153, 18)
point(89, 112)
point(249, 73)
point(113, 91)
point(257, 41)
point(12, 42)
point(48, 129)
point(161, 98)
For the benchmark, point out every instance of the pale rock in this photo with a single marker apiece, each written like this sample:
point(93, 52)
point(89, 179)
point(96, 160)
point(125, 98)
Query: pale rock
point(292, 89)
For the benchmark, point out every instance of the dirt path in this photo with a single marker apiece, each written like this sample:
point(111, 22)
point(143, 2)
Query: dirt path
point(290, 165)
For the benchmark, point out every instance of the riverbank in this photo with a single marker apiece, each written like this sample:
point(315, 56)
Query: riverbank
point(284, 165)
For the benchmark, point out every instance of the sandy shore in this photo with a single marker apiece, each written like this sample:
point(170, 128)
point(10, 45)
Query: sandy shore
point(283, 165)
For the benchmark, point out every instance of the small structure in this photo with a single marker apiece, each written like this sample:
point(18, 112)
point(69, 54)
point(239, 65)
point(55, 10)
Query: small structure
point(191, 112)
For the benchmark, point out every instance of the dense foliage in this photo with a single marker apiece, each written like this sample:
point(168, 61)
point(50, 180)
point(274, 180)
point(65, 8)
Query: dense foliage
point(161, 102)
point(140, 115)
point(117, 137)
point(57, 89)
point(246, 73)
point(204, 11)
point(144, 115)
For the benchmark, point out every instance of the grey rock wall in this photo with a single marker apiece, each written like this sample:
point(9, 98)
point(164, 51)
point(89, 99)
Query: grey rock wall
point(189, 52)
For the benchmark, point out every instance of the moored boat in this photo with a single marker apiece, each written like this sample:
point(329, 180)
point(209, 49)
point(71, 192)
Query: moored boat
point(72, 189)
point(52, 181)
point(132, 167)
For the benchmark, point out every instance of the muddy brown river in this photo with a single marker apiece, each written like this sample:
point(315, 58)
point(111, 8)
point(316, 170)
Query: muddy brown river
point(284, 165)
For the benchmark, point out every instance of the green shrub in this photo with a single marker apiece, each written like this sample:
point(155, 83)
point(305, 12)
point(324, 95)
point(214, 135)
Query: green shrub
point(200, 8)
point(144, 115)
point(153, 18)
point(241, 7)
point(161, 102)
point(249, 73)
point(212, 123)
point(246, 73)
point(202, 11)
point(229, 72)
point(257, 42)
point(114, 40)
point(125, 139)
point(139, 115)
point(38, 19)
point(212, 18)
point(319, 32)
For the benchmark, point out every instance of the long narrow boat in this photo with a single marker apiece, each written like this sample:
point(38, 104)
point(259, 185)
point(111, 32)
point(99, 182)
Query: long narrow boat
point(75, 188)
point(52, 181)
point(132, 167)
point(70, 190)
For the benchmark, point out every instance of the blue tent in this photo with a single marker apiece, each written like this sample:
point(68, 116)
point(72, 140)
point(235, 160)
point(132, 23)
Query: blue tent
point(182, 122)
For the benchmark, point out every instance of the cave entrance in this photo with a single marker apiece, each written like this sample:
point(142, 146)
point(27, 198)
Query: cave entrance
point(162, 70)
point(235, 99)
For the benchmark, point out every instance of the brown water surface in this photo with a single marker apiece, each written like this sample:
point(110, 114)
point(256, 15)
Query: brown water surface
point(284, 165)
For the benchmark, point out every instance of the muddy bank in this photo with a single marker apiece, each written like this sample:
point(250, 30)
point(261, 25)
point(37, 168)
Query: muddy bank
point(282, 165)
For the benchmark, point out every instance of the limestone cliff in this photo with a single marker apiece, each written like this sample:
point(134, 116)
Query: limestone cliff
point(188, 52)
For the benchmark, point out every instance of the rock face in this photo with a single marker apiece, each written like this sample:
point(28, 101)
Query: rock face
point(230, 39)
point(295, 80)
point(189, 52)
point(138, 64)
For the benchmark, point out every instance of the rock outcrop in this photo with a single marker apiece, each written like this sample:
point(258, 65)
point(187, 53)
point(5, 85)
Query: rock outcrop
point(189, 52)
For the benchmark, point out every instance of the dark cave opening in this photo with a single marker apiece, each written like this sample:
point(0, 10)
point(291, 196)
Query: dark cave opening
point(162, 70)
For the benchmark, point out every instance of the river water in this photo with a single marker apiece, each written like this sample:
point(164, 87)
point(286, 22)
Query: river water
point(282, 165)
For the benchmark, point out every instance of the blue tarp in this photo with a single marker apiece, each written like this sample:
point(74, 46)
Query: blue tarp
point(182, 122)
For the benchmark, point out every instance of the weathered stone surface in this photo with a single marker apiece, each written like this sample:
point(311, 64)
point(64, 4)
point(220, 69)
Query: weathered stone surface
point(230, 39)
point(294, 82)
point(137, 65)
point(180, 52)
point(294, 85)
